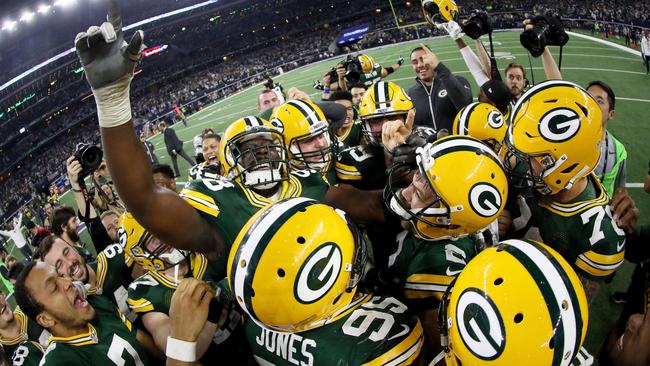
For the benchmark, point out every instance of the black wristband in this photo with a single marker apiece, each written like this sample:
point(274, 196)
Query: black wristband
point(390, 70)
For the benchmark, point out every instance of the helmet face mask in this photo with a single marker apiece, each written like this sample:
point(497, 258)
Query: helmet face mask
point(382, 100)
point(555, 132)
point(451, 201)
point(306, 133)
point(317, 158)
point(254, 154)
point(147, 250)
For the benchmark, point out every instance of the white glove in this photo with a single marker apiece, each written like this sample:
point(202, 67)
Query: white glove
point(109, 63)
point(453, 29)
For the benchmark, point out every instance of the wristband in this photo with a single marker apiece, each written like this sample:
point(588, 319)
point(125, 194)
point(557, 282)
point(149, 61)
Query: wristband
point(326, 90)
point(390, 69)
point(180, 350)
point(113, 103)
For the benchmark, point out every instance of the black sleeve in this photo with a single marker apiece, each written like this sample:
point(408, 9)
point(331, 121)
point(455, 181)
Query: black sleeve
point(458, 89)
point(98, 234)
point(636, 245)
point(334, 112)
point(4, 271)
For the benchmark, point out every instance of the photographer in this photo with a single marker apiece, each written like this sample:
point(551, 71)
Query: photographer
point(360, 69)
point(86, 211)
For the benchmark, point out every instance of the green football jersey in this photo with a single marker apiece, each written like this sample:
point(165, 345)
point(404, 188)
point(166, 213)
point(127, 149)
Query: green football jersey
point(29, 331)
point(371, 77)
point(27, 354)
point(372, 330)
point(110, 340)
point(582, 230)
point(227, 205)
point(152, 292)
point(363, 167)
point(113, 276)
point(352, 137)
point(426, 268)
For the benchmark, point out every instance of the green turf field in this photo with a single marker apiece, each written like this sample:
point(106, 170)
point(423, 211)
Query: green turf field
point(584, 61)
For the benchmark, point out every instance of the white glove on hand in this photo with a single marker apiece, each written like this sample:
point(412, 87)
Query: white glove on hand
point(109, 63)
point(453, 29)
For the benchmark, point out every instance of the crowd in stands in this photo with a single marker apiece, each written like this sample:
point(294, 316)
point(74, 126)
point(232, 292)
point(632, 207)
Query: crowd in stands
point(201, 74)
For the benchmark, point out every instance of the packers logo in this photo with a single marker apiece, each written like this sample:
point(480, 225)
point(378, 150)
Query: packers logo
point(559, 125)
point(480, 324)
point(122, 237)
point(485, 199)
point(319, 273)
point(277, 124)
point(443, 93)
point(495, 120)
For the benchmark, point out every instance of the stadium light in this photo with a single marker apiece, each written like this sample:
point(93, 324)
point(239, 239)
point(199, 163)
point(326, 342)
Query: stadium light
point(27, 16)
point(64, 3)
point(43, 8)
point(9, 25)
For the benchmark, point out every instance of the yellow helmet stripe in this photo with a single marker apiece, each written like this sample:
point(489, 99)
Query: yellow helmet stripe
point(556, 288)
point(256, 239)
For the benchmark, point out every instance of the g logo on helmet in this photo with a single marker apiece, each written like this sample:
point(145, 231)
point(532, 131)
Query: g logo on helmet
point(559, 125)
point(277, 124)
point(495, 119)
point(480, 324)
point(485, 199)
point(318, 274)
point(122, 237)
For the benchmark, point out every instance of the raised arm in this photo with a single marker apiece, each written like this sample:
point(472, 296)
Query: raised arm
point(109, 63)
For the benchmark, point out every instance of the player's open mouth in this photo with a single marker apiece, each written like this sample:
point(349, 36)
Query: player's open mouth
point(213, 159)
point(75, 270)
point(79, 302)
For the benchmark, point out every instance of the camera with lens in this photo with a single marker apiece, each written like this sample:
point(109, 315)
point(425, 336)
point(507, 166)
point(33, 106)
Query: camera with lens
point(478, 24)
point(352, 68)
point(547, 31)
point(90, 157)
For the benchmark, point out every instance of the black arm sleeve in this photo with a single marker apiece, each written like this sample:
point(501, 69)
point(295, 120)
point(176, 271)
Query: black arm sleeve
point(458, 89)
point(98, 233)
point(334, 112)
point(636, 245)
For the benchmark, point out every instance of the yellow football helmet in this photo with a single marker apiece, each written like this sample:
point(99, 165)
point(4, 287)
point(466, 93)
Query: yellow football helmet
point(482, 121)
point(440, 11)
point(296, 264)
point(519, 303)
point(382, 99)
point(464, 198)
point(145, 249)
point(301, 121)
point(555, 134)
point(367, 63)
point(253, 153)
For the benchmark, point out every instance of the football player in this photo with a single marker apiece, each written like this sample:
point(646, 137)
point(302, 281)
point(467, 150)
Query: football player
point(482, 121)
point(294, 270)
point(85, 330)
point(210, 165)
point(109, 275)
point(16, 328)
point(364, 166)
point(444, 204)
point(551, 150)
point(518, 303)
point(307, 137)
point(149, 294)
point(371, 72)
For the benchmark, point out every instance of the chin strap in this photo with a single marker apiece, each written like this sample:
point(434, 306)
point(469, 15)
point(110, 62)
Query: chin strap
point(438, 358)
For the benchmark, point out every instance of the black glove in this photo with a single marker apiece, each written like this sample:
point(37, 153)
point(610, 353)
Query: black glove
point(406, 153)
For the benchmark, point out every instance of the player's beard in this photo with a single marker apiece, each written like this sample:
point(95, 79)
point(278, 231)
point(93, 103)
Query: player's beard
point(72, 234)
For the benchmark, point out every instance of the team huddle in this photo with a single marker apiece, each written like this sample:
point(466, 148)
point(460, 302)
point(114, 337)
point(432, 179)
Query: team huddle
point(335, 233)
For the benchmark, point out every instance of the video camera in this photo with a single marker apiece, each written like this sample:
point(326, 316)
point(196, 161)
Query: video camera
point(478, 24)
point(352, 70)
point(90, 157)
point(547, 31)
